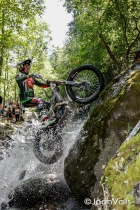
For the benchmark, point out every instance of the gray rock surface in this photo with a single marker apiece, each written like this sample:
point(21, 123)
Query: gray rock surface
point(103, 133)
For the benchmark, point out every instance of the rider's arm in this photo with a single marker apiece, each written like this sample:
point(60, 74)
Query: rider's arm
point(21, 77)
point(40, 84)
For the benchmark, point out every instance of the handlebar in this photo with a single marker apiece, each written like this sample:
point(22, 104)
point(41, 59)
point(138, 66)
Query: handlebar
point(58, 82)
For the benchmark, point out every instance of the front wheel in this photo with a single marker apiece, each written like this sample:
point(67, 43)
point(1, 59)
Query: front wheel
point(94, 83)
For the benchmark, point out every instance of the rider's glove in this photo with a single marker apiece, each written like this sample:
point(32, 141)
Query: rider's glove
point(33, 75)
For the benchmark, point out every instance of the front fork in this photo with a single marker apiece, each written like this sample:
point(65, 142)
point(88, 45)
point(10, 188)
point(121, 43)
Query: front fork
point(56, 93)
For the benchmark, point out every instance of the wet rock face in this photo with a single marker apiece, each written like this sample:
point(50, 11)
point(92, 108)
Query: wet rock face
point(34, 191)
point(136, 193)
point(103, 133)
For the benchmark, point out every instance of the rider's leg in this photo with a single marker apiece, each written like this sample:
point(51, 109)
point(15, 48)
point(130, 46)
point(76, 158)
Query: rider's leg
point(47, 105)
point(35, 102)
point(40, 105)
point(39, 102)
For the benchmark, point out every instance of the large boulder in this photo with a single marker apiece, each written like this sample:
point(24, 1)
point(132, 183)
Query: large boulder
point(111, 120)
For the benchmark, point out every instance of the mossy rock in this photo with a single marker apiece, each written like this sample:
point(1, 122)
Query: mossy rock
point(122, 173)
point(103, 133)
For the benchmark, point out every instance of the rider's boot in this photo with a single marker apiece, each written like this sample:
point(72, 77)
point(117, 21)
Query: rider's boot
point(44, 117)
point(49, 121)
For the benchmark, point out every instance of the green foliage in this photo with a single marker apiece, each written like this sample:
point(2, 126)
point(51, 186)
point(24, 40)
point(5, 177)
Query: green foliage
point(103, 33)
point(23, 35)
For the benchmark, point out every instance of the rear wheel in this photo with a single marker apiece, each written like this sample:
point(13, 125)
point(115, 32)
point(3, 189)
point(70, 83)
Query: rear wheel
point(91, 88)
point(48, 146)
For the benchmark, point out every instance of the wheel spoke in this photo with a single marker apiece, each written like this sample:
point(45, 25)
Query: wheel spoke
point(92, 80)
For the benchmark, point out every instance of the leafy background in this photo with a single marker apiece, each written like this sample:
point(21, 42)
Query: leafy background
point(103, 33)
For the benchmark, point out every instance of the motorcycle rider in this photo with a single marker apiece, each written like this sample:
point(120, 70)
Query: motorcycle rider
point(26, 92)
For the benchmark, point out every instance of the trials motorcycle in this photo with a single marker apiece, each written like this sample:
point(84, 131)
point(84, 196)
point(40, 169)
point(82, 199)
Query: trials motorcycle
point(83, 85)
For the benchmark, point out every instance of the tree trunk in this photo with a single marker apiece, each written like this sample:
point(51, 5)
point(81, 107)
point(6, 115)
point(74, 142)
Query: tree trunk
point(1, 44)
point(118, 65)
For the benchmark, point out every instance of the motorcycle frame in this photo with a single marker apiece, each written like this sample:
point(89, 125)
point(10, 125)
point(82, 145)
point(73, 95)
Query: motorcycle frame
point(56, 99)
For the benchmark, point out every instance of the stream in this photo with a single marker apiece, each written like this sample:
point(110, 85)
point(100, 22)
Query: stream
point(23, 176)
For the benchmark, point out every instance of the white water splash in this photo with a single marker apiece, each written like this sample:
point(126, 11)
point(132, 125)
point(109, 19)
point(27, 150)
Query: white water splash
point(20, 156)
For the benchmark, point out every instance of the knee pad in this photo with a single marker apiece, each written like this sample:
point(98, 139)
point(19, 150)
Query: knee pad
point(40, 104)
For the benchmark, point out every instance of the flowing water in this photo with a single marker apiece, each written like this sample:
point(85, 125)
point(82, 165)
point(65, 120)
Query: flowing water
point(17, 156)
